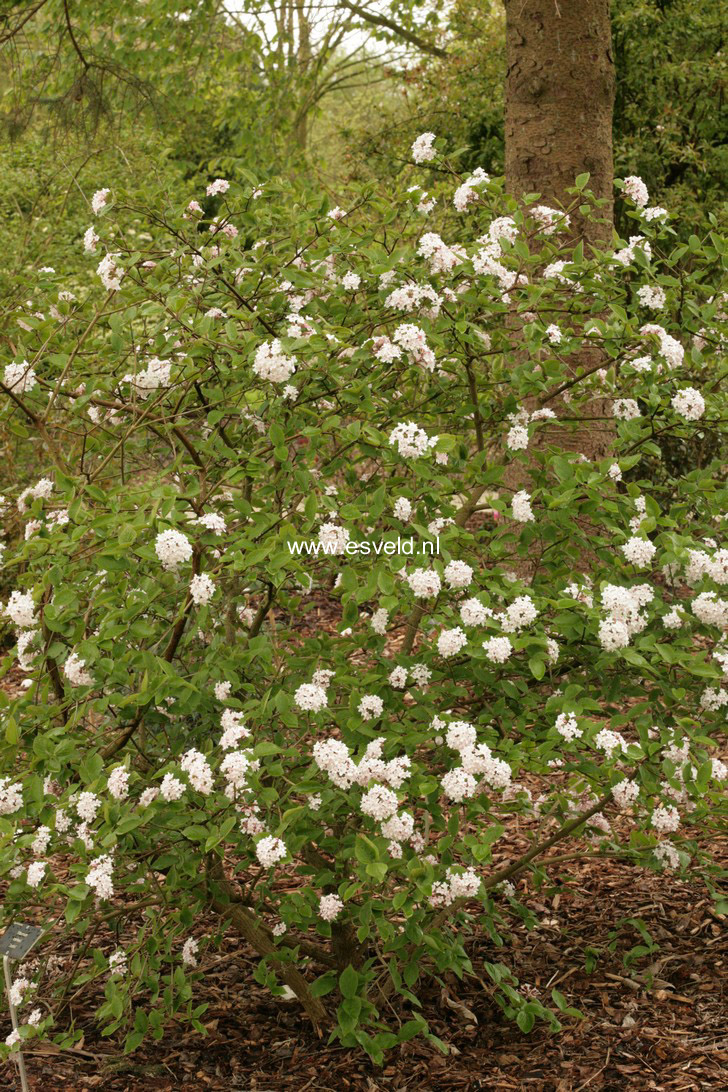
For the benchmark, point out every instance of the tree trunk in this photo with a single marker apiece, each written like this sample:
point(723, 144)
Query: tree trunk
point(559, 95)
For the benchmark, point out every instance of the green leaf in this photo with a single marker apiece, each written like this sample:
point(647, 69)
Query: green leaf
point(349, 982)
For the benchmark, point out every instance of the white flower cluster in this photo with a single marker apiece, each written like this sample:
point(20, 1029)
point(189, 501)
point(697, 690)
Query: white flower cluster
point(19, 377)
point(99, 200)
point(519, 614)
point(568, 727)
point(172, 548)
point(635, 188)
point(549, 220)
point(171, 788)
point(689, 403)
point(118, 962)
point(457, 885)
point(21, 609)
point(413, 340)
point(379, 803)
point(271, 362)
point(333, 538)
point(451, 641)
point(627, 254)
point(189, 952)
point(623, 614)
point(233, 729)
point(370, 707)
point(202, 589)
point(219, 186)
point(625, 793)
point(673, 619)
point(42, 490)
point(458, 574)
point(666, 854)
point(710, 609)
point(212, 521)
point(503, 227)
point(99, 877)
point(665, 819)
point(408, 297)
point(311, 698)
point(442, 258)
point(156, 374)
point(419, 674)
point(90, 239)
point(402, 509)
point(379, 621)
point(197, 768)
point(411, 440)
point(467, 193)
point(398, 678)
point(87, 806)
point(473, 613)
point(41, 841)
point(521, 507)
point(639, 551)
point(670, 347)
point(11, 796)
point(487, 262)
point(476, 759)
point(235, 768)
point(609, 742)
point(424, 583)
point(333, 758)
point(422, 150)
point(118, 783)
point(700, 563)
point(350, 281)
point(270, 851)
point(74, 670)
point(110, 272)
point(714, 698)
point(626, 409)
point(652, 296)
point(498, 649)
point(330, 906)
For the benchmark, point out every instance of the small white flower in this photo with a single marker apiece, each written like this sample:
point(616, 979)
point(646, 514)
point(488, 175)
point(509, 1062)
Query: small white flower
point(189, 952)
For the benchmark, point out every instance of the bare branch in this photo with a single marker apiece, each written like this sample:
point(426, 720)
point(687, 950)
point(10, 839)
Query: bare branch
point(389, 24)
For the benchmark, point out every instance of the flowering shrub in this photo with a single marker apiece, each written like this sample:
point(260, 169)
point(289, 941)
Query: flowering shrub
point(226, 379)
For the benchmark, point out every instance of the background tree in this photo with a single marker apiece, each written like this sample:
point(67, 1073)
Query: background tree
point(558, 100)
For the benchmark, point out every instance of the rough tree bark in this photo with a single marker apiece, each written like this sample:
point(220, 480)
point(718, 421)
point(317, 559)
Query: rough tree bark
point(559, 96)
